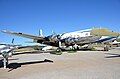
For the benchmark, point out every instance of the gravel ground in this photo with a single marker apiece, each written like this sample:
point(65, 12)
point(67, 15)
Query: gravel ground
point(79, 65)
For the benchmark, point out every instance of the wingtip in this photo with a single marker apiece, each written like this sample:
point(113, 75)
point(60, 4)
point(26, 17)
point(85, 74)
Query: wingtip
point(6, 31)
point(3, 31)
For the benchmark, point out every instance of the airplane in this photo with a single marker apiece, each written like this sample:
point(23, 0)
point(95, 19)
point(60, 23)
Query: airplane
point(6, 50)
point(71, 40)
point(66, 41)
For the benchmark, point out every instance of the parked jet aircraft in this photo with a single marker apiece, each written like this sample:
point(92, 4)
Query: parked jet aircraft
point(76, 39)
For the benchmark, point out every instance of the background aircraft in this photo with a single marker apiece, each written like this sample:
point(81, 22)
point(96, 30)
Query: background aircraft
point(6, 50)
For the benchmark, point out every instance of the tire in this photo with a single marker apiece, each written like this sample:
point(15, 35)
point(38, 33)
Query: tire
point(106, 48)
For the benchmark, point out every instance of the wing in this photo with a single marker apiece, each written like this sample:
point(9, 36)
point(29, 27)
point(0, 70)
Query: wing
point(23, 35)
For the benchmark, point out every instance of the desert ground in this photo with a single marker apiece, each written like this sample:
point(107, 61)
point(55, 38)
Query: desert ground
point(78, 65)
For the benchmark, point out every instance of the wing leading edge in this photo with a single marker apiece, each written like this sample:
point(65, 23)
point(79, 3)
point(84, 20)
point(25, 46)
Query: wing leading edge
point(23, 35)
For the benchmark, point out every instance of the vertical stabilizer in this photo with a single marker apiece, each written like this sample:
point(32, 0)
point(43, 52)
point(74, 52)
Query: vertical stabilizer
point(12, 41)
point(40, 32)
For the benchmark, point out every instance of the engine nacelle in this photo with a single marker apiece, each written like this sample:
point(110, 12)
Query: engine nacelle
point(7, 54)
point(47, 48)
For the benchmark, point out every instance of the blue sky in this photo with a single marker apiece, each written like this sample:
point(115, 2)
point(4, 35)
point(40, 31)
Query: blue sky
point(61, 16)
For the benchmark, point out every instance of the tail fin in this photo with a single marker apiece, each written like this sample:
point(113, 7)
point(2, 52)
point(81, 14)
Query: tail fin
point(12, 41)
point(53, 32)
point(40, 32)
